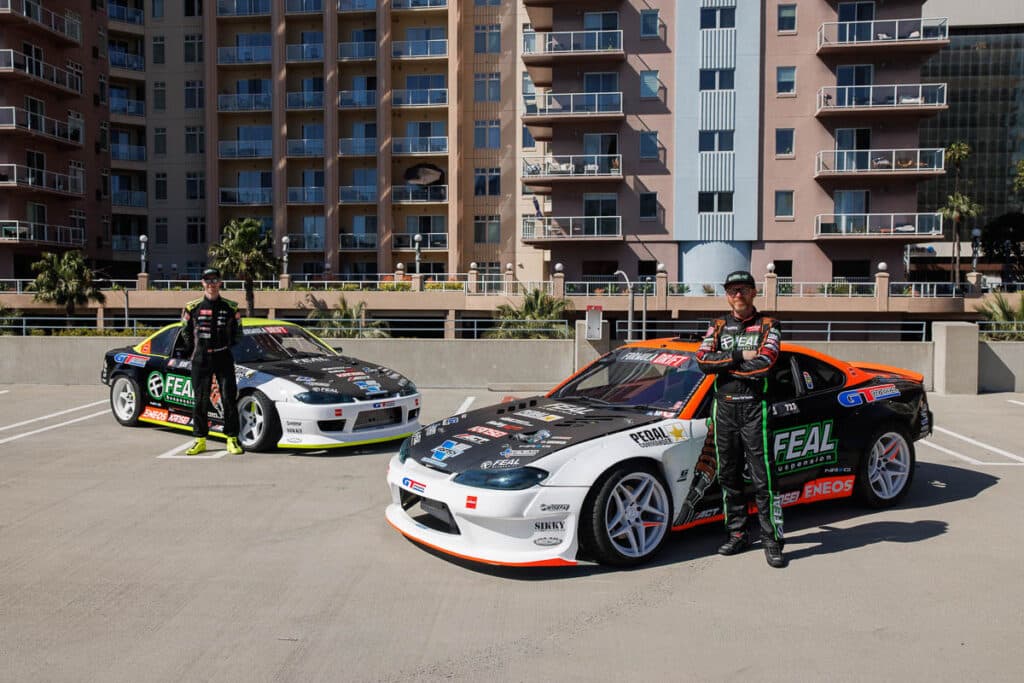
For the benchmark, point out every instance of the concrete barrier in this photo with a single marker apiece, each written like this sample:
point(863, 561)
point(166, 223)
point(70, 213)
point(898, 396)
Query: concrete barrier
point(1001, 366)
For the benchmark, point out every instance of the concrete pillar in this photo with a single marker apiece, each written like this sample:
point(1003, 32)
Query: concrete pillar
point(449, 325)
point(882, 291)
point(99, 318)
point(771, 292)
point(586, 350)
point(284, 281)
point(956, 357)
point(271, 313)
point(558, 285)
point(974, 280)
point(142, 282)
point(660, 302)
point(417, 282)
point(472, 281)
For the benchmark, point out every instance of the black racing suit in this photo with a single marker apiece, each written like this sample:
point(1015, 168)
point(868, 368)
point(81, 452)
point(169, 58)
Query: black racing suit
point(211, 327)
point(741, 416)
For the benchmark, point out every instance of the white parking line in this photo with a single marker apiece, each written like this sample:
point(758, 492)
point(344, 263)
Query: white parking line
point(1010, 400)
point(7, 391)
point(465, 405)
point(953, 453)
point(56, 426)
point(47, 417)
point(980, 444)
point(175, 453)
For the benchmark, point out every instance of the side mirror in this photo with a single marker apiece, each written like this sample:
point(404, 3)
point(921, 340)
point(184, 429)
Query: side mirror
point(337, 349)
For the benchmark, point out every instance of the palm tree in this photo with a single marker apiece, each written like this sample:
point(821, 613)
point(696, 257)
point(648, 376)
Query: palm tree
point(958, 205)
point(65, 280)
point(246, 253)
point(342, 320)
point(8, 318)
point(1008, 323)
point(533, 319)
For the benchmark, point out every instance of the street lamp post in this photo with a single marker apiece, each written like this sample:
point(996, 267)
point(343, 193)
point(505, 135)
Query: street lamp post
point(417, 241)
point(142, 253)
point(975, 248)
point(643, 316)
point(629, 315)
point(284, 252)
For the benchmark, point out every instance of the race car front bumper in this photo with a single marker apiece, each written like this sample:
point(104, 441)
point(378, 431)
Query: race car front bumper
point(535, 527)
point(305, 425)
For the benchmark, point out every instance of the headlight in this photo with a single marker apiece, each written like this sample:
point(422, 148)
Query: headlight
point(408, 390)
point(323, 397)
point(403, 452)
point(509, 480)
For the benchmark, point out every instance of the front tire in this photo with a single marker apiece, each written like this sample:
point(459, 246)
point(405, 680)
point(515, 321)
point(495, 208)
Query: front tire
point(628, 519)
point(126, 400)
point(887, 468)
point(259, 428)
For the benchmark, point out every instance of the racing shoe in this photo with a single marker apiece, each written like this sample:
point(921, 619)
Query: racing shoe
point(773, 554)
point(234, 448)
point(198, 447)
point(737, 543)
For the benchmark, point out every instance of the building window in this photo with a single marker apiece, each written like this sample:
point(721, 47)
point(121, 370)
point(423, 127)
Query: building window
point(195, 230)
point(194, 8)
point(160, 230)
point(158, 50)
point(194, 94)
point(195, 185)
point(528, 141)
point(784, 203)
point(715, 141)
point(785, 80)
point(193, 48)
point(787, 18)
point(648, 205)
point(160, 186)
point(487, 134)
point(487, 39)
point(717, 79)
point(102, 38)
point(102, 81)
point(718, 17)
point(158, 9)
point(159, 141)
point(77, 217)
point(487, 87)
point(486, 182)
point(195, 140)
point(714, 202)
point(649, 85)
point(159, 95)
point(649, 23)
point(784, 142)
point(487, 229)
point(649, 145)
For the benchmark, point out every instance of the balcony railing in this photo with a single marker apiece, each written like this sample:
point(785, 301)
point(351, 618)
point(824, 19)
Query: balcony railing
point(301, 241)
point(305, 195)
point(428, 240)
point(571, 42)
point(853, 97)
point(253, 54)
point(25, 231)
point(572, 227)
point(11, 61)
point(26, 176)
point(357, 5)
point(873, 161)
point(121, 152)
point(246, 195)
point(572, 165)
point(437, 144)
point(125, 243)
point(357, 194)
point(883, 32)
point(303, 6)
point(133, 199)
point(305, 100)
point(312, 147)
point(826, 289)
point(126, 60)
point(878, 224)
point(574, 104)
point(305, 52)
point(405, 194)
point(245, 102)
point(357, 99)
point(419, 4)
point(357, 241)
point(361, 50)
point(357, 146)
point(119, 105)
point(428, 97)
point(22, 119)
point(125, 14)
point(245, 149)
point(243, 8)
point(437, 47)
point(65, 27)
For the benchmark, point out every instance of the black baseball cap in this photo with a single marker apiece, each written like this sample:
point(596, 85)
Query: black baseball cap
point(739, 277)
point(211, 274)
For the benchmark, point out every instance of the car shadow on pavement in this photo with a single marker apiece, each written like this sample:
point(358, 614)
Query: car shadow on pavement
point(389, 447)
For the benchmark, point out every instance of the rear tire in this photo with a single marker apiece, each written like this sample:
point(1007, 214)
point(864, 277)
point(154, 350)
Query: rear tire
point(886, 468)
point(259, 426)
point(626, 520)
point(126, 400)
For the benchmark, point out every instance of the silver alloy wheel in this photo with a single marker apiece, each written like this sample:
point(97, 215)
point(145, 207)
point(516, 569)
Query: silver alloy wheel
point(124, 398)
point(889, 465)
point(637, 514)
point(252, 421)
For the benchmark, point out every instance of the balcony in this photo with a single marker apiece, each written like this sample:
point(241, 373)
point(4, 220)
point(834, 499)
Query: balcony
point(420, 49)
point(542, 51)
point(246, 196)
point(303, 6)
point(306, 195)
point(437, 144)
point(419, 194)
point(572, 228)
point(912, 226)
point(430, 97)
point(883, 35)
point(245, 102)
point(360, 242)
point(120, 152)
point(243, 8)
point(357, 147)
point(305, 52)
point(30, 12)
point(24, 232)
point(130, 199)
point(40, 180)
point(126, 107)
point(245, 149)
point(419, 4)
point(305, 148)
point(305, 100)
point(357, 194)
point(357, 6)
point(16, 65)
point(881, 163)
point(125, 243)
point(543, 171)
point(300, 241)
point(357, 99)
point(128, 61)
point(126, 15)
point(544, 110)
point(37, 125)
point(236, 56)
point(428, 240)
point(882, 100)
point(356, 51)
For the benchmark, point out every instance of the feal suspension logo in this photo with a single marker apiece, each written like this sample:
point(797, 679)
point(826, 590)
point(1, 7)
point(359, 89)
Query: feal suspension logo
point(805, 446)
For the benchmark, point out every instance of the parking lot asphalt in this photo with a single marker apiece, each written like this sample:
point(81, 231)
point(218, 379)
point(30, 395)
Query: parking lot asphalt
point(117, 564)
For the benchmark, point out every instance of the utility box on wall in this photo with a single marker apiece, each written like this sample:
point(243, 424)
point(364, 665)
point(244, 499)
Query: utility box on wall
point(594, 319)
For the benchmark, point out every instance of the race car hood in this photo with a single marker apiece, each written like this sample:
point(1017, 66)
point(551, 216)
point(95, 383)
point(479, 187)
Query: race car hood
point(517, 434)
point(338, 374)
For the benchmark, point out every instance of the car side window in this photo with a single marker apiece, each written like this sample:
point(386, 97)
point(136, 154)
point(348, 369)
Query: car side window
point(162, 343)
point(818, 376)
point(780, 380)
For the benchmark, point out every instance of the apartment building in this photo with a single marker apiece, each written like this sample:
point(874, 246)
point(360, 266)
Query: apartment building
point(51, 108)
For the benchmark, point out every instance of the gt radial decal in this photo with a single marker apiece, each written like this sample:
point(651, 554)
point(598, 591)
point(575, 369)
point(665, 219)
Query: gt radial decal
point(856, 397)
point(131, 359)
point(805, 446)
point(413, 485)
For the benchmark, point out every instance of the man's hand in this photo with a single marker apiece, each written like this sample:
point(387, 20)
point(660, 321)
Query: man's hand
point(749, 355)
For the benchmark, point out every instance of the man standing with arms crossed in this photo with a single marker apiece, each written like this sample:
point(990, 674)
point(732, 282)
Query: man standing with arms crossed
point(212, 325)
point(740, 349)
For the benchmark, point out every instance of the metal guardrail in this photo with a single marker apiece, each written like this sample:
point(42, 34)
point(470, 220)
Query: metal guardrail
point(792, 331)
point(994, 330)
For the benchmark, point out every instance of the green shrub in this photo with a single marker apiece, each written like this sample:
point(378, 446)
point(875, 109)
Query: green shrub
point(445, 286)
point(396, 286)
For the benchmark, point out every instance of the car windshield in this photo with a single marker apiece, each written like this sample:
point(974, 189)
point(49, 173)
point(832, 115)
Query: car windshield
point(277, 342)
point(659, 379)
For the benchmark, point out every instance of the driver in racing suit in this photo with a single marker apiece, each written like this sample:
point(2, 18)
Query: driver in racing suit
point(740, 350)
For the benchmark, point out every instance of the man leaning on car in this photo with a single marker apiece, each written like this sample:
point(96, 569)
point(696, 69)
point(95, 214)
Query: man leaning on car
point(739, 350)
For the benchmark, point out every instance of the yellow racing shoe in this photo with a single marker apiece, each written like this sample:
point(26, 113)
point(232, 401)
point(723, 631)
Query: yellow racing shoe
point(198, 447)
point(234, 448)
